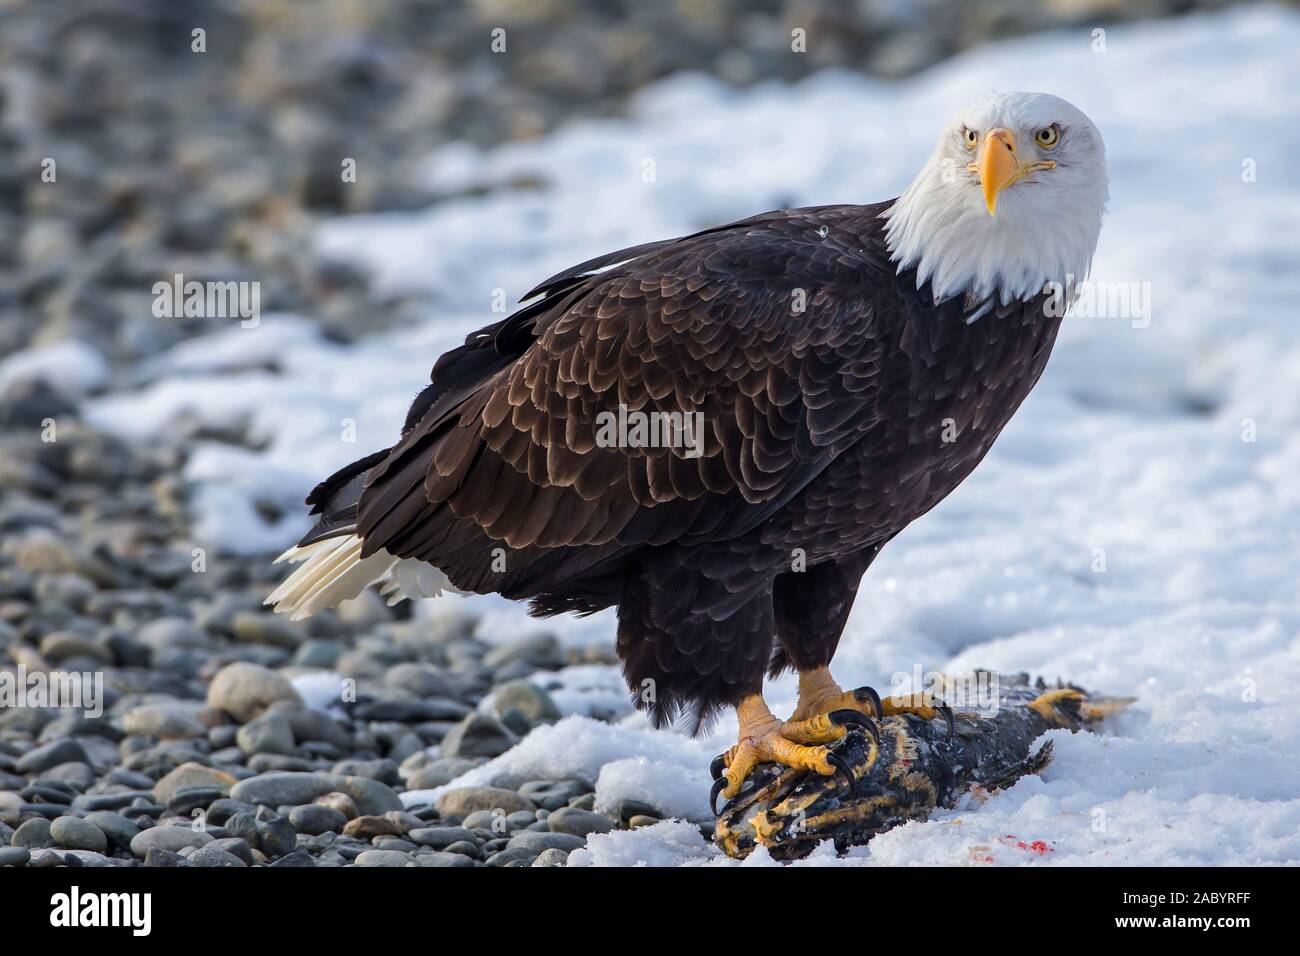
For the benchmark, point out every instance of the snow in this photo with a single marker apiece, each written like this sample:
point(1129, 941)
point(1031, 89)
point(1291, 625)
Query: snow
point(1134, 530)
point(73, 367)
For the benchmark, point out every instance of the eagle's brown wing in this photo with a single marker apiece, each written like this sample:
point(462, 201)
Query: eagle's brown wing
point(764, 328)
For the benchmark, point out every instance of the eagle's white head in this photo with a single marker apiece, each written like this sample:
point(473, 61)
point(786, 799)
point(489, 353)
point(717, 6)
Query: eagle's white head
point(1011, 199)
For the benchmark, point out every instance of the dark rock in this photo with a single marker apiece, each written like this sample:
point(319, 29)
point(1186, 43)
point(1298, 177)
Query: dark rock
point(159, 857)
point(300, 859)
point(74, 833)
point(478, 735)
point(463, 801)
point(441, 837)
point(235, 846)
point(211, 856)
point(14, 855)
point(244, 690)
point(282, 789)
point(315, 818)
point(579, 823)
point(51, 755)
point(276, 837)
point(33, 834)
point(174, 838)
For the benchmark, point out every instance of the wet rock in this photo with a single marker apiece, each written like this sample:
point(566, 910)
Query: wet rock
point(244, 690)
point(163, 720)
point(536, 652)
point(383, 858)
point(461, 802)
point(478, 735)
point(441, 837)
point(580, 823)
point(419, 680)
point(276, 837)
point(439, 860)
point(282, 789)
point(33, 834)
point(51, 755)
point(370, 796)
point(299, 859)
point(261, 628)
point(315, 818)
point(269, 733)
point(538, 841)
point(14, 855)
point(211, 856)
point(191, 775)
point(118, 829)
point(75, 833)
point(159, 857)
point(173, 838)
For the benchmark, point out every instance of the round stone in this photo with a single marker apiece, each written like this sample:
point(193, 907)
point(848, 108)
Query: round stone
point(34, 834)
point(163, 720)
point(215, 856)
point(382, 858)
point(173, 839)
point(463, 801)
point(74, 833)
point(315, 818)
point(244, 690)
point(282, 788)
point(580, 823)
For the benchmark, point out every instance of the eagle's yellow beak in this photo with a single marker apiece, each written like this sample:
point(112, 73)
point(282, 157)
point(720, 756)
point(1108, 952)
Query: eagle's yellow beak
point(998, 165)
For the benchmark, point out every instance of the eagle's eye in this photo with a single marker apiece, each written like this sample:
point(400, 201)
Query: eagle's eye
point(969, 137)
point(1047, 136)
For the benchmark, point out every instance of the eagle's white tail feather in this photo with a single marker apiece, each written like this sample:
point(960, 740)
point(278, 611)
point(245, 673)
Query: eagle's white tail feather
point(333, 571)
point(351, 575)
point(318, 560)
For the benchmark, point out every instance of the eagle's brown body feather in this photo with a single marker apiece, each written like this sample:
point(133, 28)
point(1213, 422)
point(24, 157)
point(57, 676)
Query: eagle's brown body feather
point(826, 432)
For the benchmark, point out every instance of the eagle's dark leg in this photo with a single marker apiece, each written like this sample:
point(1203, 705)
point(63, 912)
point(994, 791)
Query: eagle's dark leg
point(695, 632)
point(811, 608)
point(764, 738)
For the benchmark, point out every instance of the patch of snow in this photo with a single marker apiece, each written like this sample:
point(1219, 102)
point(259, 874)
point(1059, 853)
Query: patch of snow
point(74, 367)
point(668, 843)
point(319, 689)
point(671, 788)
point(592, 690)
point(578, 746)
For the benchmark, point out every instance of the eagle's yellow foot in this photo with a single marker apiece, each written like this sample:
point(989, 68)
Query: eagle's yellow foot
point(828, 728)
point(922, 705)
point(764, 739)
point(819, 694)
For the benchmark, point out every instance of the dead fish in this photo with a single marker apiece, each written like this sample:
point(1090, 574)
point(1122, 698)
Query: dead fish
point(914, 767)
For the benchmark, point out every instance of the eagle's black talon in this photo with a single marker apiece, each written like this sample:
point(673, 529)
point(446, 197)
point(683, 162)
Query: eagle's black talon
point(718, 786)
point(842, 718)
point(842, 768)
point(948, 718)
point(864, 694)
point(718, 765)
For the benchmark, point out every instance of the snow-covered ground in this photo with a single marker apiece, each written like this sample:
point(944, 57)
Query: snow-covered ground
point(1135, 530)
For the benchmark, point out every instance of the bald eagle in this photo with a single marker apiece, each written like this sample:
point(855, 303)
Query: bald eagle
point(830, 374)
